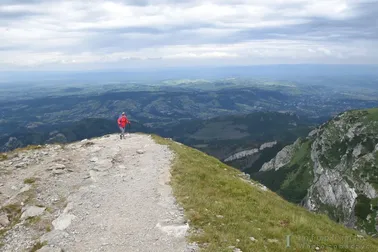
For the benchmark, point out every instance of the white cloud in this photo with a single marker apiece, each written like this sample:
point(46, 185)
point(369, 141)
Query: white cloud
point(81, 32)
point(278, 50)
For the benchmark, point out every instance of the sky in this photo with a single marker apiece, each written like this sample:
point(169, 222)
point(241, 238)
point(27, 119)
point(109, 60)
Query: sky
point(75, 35)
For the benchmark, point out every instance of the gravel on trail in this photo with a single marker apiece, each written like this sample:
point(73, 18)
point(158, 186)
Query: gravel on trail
point(102, 194)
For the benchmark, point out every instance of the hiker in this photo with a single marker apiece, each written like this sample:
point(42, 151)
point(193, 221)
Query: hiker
point(122, 122)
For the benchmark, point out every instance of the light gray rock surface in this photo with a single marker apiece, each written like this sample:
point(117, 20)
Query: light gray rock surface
point(282, 158)
point(250, 152)
point(107, 198)
point(32, 211)
point(4, 221)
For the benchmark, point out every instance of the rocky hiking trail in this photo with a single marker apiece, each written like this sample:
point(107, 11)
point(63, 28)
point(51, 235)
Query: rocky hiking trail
point(103, 194)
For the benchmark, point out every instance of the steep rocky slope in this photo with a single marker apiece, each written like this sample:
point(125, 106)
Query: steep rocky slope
point(334, 170)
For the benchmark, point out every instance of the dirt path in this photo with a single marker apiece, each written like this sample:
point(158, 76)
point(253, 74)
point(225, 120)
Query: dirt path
point(117, 197)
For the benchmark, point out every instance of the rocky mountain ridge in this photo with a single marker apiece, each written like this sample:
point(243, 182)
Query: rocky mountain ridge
point(334, 170)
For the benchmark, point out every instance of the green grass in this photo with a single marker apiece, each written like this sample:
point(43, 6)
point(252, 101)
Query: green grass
point(3, 157)
point(49, 210)
point(13, 211)
point(29, 197)
point(293, 180)
point(33, 220)
point(206, 187)
point(27, 148)
point(38, 246)
point(39, 223)
point(372, 114)
point(48, 228)
point(301, 153)
point(30, 147)
point(296, 182)
point(295, 186)
point(30, 180)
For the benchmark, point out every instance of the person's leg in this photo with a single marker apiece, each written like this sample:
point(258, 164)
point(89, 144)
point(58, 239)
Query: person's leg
point(122, 132)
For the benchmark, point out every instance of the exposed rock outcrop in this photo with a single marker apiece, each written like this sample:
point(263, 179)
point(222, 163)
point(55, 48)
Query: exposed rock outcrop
point(32, 211)
point(250, 152)
point(283, 158)
point(343, 166)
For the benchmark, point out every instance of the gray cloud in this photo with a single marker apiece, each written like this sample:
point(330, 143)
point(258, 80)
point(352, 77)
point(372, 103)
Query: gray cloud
point(79, 32)
point(14, 2)
point(16, 14)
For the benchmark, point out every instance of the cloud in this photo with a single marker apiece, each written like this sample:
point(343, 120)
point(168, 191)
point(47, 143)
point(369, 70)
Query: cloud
point(79, 33)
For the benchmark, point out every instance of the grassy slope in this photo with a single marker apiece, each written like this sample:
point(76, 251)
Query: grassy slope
point(373, 114)
point(294, 187)
point(206, 188)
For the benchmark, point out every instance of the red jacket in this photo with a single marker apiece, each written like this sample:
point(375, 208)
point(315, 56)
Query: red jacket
point(123, 121)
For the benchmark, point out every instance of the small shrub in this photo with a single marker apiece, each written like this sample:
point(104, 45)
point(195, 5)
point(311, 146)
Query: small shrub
point(13, 211)
point(29, 147)
point(30, 181)
point(49, 210)
point(33, 220)
point(3, 157)
point(362, 207)
point(48, 228)
point(38, 246)
point(33, 147)
point(28, 197)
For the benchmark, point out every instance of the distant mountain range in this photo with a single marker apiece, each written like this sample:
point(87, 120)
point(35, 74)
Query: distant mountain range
point(163, 108)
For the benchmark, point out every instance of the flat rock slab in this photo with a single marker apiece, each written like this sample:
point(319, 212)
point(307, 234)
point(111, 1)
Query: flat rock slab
point(32, 211)
point(174, 230)
point(25, 188)
point(4, 221)
point(63, 221)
